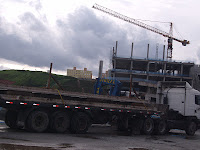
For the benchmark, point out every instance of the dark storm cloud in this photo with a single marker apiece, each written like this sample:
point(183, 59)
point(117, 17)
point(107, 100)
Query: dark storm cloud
point(85, 39)
point(89, 36)
point(94, 36)
point(39, 51)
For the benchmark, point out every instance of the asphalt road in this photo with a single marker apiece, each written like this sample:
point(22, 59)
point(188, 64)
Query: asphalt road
point(97, 138)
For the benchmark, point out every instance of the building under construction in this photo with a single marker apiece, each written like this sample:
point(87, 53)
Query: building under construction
point(145, 73)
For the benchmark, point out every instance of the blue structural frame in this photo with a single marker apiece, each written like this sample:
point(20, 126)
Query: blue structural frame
point(115, 86)
point(145, 72)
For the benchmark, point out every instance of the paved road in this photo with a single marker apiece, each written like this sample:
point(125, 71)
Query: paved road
point(98, 138)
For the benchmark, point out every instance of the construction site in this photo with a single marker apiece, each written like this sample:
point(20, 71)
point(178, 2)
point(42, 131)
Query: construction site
point(144, 96)
point(140, 76)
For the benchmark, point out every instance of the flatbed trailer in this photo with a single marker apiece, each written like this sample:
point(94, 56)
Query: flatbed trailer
point(40, 109)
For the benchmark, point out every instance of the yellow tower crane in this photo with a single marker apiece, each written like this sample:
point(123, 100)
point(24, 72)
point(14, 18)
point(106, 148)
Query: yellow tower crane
point(145, 26)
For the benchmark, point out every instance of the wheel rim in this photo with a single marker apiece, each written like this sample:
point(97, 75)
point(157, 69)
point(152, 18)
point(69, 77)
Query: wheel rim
point(148, 126)
point(192, 128)
point(39, 120)
point(79, 123)
point(60, 122)
point(82, 124)
point(162, 127)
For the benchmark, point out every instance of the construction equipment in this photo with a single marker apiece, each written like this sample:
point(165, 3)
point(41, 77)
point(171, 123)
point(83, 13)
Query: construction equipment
point(145, 26)
point(114, 89)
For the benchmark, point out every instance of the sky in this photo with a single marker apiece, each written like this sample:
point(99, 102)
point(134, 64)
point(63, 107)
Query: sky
point(35, 33)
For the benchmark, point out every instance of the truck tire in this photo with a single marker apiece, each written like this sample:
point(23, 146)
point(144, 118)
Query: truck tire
point(38, 121)
point(60, 121)
point(80, 123)
point(161, 127)
point(122, 124)
point(191, 128)
point(148, 126)
point(11, 119)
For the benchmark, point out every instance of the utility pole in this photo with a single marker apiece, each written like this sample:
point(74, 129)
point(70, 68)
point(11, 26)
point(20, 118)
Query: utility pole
point(49, 80)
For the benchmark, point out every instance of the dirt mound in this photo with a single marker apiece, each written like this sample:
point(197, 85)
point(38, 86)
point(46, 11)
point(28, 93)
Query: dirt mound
point(7, 82)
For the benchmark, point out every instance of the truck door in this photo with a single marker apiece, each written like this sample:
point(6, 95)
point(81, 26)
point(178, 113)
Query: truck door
point(176, 99)
point(197, 106)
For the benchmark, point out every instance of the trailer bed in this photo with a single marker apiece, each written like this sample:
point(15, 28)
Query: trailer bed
point(42, 97)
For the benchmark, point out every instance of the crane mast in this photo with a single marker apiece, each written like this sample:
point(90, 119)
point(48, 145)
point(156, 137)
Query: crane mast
point(145, 26)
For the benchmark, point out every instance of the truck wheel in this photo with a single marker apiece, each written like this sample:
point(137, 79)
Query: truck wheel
point(60, 122)
point(80, 123)
point(191, 128)
point(148, 126)
point(161, 127)
point(38, 121)
point(122, 124)
point(11, 119)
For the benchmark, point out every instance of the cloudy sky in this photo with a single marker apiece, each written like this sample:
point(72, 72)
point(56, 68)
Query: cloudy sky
point(34, 33)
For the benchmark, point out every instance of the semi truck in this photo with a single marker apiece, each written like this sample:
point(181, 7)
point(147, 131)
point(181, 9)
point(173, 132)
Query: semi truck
point(183, 105)
point(40, 110)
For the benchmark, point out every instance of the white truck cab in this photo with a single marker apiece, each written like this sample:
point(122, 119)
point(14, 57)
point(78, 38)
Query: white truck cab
point(183, 105)
point(185, 100)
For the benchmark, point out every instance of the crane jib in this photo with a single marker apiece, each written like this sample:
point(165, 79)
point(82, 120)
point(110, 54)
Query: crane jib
point(138, 23)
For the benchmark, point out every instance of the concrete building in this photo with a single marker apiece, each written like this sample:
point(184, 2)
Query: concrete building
point(195, 74)
point(151, 70)
point(83, 74)
point(105, 75)
point(145, 73)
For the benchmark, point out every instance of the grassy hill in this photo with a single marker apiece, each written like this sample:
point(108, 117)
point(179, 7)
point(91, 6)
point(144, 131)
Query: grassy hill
point(39, 79)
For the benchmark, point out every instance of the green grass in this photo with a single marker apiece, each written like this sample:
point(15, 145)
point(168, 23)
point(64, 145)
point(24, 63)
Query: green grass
point(39, 79)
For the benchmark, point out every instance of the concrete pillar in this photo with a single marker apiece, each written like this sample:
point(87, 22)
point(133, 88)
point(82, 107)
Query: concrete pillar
point(114, 63)
point(181, 69)
point(148, 52)
point(131, 78)
point(192, 83)
point(116, 48)
point(163, 58)
point(165, 67)
point(159, 94)
point(114, 52)
point(148, 70)
point(100, 68)
point(131, 66)
point(132, 51)
point(181, 72)
point(114, 67)
point(163, 64)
